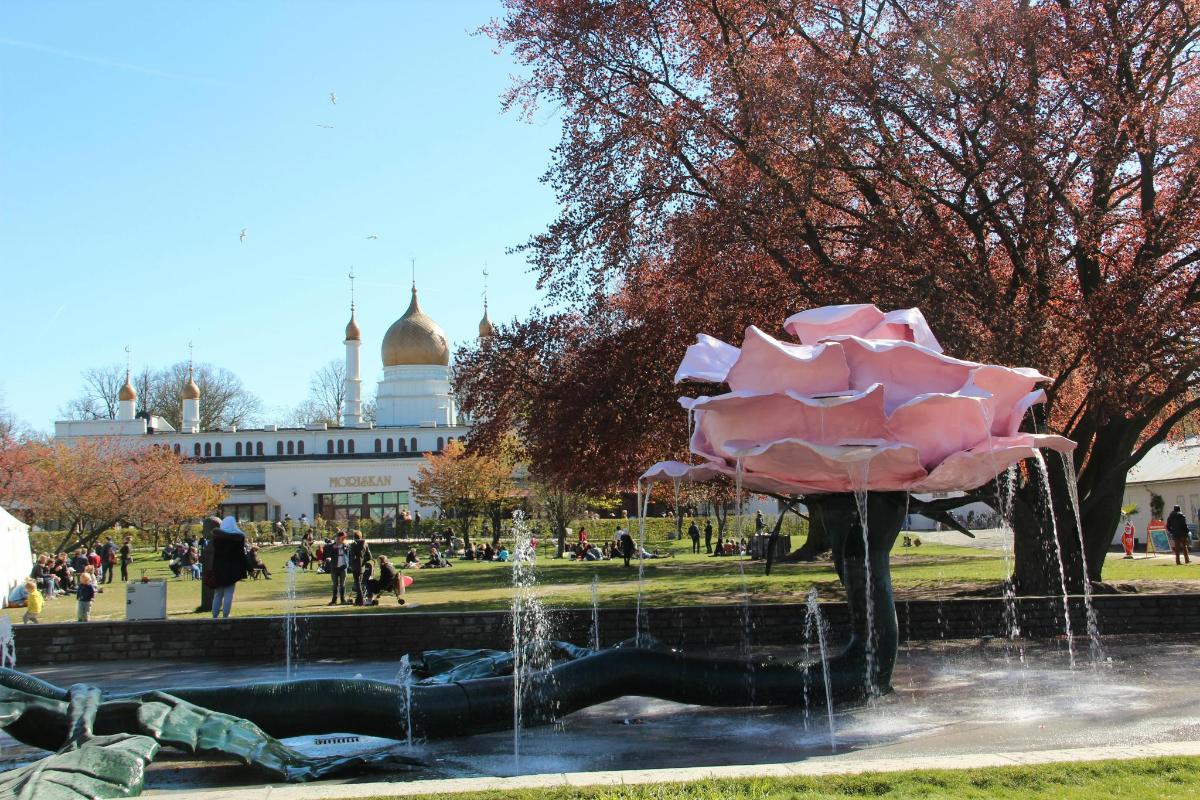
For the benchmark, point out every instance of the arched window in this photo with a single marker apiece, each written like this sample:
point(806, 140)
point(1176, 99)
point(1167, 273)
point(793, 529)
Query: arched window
point(350, 446)
point(300, 448)
point(279, 447)
point(403, 445)
point(389, 444)
point(249, 448)
point(441, 444)
point(196, 449)
point(378, 446)
point(329, 446)
point(237, 449)
point(258, 449)
point(176, 449)
point(207, 449)
point(217, 450)
point(412, 444)
point(291, 448)
point(341, 446)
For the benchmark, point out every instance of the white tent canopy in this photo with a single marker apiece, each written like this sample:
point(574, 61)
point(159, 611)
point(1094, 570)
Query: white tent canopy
point(15, 558)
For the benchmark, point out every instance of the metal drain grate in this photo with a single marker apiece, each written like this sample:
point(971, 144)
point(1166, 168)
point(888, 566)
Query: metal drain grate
point(337, 740)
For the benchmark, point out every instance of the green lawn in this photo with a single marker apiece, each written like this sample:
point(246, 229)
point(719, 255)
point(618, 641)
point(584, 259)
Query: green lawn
point(931, 571)
point(1161, 778)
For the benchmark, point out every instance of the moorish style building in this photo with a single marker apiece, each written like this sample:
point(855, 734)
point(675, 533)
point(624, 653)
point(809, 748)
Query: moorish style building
point(358, 468)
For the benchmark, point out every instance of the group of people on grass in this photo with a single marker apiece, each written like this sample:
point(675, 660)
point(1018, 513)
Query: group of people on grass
point(81, 573)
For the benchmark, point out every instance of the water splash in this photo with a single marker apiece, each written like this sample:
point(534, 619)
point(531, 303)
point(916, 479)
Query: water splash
point(745, 646)
point(1093, 629)
point(643, 508)
point(290, 623)
point(596, 611)
point(860, 479)
point(816, 627)
point(404, 679)
point(1048, 499)
point(530, 628)
point(8, 644)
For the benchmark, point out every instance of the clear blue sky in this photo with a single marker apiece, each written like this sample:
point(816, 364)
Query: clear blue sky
point(138, 139)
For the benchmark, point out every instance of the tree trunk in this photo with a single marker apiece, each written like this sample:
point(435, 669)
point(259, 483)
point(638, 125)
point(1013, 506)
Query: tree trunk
point(816, 543)
point(560, 532)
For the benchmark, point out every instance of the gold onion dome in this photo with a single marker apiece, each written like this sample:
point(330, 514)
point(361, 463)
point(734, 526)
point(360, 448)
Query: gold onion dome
point(127, 391)
point(415, 339)
point(191, 391)
point(353, 334)
point(485, 325)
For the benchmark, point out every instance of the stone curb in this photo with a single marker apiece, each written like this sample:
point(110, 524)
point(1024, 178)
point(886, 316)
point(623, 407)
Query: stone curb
point(824, 765)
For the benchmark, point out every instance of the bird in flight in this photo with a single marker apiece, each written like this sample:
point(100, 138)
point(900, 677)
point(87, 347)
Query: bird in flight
point(373, 236)
point(242, 235)
point(322, 125)
point(333, 98)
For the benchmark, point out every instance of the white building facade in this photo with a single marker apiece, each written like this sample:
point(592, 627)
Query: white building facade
point(359, 469)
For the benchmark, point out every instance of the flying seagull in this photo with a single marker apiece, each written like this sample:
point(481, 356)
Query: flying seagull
point(333, 98)
point(242, 235)
point(322, 125)
point(373, 236)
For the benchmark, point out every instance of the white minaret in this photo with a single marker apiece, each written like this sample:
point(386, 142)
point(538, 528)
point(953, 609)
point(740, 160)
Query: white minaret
point(191, 403)
point(352, 416)
point(127, 401)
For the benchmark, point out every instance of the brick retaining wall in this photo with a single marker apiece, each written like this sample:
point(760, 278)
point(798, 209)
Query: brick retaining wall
point(374, 635)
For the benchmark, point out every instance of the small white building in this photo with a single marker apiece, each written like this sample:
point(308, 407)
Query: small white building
point(356, 469)
point(1171, 470)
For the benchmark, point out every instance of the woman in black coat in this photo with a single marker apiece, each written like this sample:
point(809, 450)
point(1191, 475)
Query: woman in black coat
point(228, 567)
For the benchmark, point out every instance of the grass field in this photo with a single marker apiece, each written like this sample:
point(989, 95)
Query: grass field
point(933, 570)
point(1160, 778)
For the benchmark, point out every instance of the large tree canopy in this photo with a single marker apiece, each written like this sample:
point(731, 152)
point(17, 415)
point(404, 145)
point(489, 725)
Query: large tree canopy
point(1025, 172)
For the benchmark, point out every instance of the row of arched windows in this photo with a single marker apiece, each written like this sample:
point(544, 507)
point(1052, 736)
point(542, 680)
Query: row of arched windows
point(291, 448)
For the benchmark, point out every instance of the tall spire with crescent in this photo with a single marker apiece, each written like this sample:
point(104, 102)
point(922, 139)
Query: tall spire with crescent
point(485, 325)
point(353, 334)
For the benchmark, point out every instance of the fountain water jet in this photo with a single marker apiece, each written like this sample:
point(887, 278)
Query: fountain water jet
point(1048, 500)
point(531, 633)
point(815, 626)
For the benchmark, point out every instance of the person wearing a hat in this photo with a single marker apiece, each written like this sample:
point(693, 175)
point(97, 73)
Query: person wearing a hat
point(228, 565)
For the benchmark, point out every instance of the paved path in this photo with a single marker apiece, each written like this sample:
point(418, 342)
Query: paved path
point(827, 765)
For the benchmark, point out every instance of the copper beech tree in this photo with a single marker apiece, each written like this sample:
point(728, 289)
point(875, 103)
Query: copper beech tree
point(1025, 172)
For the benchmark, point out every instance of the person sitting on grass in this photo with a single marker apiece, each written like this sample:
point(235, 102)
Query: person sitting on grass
point(255, 563)
point(436, 559)
point(386, 581)
point(488, 553)
point(503, 554)
point(410, 559)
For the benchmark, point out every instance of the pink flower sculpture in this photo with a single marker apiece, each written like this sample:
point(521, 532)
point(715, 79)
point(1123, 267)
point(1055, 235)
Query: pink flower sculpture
point(866, 400)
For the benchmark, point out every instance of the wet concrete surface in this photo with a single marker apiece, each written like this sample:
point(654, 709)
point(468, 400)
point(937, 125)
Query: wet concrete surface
point(950, 698)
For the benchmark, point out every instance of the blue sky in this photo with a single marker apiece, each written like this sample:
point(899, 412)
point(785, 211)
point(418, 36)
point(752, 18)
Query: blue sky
point(138, 139)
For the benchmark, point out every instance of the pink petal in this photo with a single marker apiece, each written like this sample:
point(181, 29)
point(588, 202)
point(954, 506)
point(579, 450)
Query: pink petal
point(939, 425)
point(917, 328)
point(905, 369)
point(815, 324)
point(767, 365)
point(1012, 393)
point(678, 471)
point(881, 466)
point(975, 467)
point(762, 418)
point(708, 361)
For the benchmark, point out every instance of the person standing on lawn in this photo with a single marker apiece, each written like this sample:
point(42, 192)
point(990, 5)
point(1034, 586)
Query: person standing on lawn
point(626, 542)
point(708, 535)
point(228, 565)
point(85, 593)
point(694, 535)
point(1177, 529)
point(360, 555)
point(337, 560)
